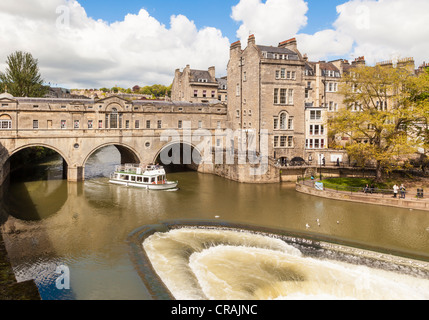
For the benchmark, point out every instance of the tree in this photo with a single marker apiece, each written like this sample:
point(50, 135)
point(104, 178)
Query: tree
point(418, 92)
point(380, 118)
point(22, 77)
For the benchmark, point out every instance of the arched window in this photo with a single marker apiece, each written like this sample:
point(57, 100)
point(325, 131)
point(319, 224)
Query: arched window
point(283, 121)
point(114, 119)
point(5, 122)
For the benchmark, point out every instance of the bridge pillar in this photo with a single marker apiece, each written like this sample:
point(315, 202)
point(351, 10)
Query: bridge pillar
point(75, 174)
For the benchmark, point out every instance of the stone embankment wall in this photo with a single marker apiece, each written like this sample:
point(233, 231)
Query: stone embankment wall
point(410, 203)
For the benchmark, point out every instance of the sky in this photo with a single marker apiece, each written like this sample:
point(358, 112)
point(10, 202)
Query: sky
point(106, 43)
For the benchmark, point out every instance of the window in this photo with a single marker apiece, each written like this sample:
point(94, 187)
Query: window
point(213, 94)
point(137, 124)
point(290, 96)
point(276, 96)
point(218, 125)
point(76, 124)
point(5, 122)
point(114, 119)
point(35, 124)
point(200, 124)
point(283, 141)
point(127, 124)
point(276, 124)
point(290, 142)
point(100, 124)
point(35, 106)
point(290, 123)
point(244, 76)
point(5, 105)
point(147, 124)
point(276, 141)
point(283, 96)
point(90, 124)
point(159, 124)
point(283, 73)
point(63, 124)
point(283, 121)
point(315, 115)
point(179, 124)
point(237, 90)
point(204, 93)
point(195, 93)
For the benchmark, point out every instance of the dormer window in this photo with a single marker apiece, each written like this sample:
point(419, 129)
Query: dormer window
point(202, 80)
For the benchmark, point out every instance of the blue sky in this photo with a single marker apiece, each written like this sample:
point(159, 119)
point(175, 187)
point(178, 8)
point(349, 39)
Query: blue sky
point(205, 13)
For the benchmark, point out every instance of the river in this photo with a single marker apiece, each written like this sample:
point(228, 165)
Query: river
point(84, 226)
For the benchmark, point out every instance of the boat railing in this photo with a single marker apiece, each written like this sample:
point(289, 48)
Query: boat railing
point(137, 168)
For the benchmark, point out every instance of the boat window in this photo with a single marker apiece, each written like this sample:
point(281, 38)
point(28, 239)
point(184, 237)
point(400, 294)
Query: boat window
point(152, 180)
point(139, 179)
point(133, 178)
point(146, 180)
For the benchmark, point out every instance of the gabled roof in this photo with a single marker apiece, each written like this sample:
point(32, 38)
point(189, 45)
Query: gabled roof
point(112, 97)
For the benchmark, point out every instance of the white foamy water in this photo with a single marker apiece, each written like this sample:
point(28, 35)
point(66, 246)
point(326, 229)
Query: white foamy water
point(198, 264)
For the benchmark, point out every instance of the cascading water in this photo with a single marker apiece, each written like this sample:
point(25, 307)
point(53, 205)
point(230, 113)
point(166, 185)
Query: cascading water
point(215, 264)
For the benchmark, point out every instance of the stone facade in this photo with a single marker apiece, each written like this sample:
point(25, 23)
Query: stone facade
point(198, 86)
point(77, 128)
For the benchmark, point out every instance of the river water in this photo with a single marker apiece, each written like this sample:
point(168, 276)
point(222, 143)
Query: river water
point(85, 226)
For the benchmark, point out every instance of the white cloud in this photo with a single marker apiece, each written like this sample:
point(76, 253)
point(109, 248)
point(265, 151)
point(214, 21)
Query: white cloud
point(377, 29)
point(386, 29)
point(323, 44)
point(77, 51)
point(271, 22)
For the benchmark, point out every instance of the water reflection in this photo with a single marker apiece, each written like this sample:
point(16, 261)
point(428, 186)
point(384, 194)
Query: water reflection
point(85, 225)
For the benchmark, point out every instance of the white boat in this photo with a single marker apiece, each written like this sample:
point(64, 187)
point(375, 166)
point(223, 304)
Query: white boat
point(151, 177)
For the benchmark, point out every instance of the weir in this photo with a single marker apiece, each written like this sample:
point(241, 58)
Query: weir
point(267, 264)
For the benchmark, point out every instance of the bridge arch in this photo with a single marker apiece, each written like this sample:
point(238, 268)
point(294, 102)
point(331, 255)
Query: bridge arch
point(192, 159)
point(48, 146)
point(128, 153)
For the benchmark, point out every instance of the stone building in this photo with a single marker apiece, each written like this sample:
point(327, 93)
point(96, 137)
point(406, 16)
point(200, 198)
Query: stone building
point(198, 86)
point(266, 94)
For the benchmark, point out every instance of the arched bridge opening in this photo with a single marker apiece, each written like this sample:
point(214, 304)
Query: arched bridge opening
point(102, 161)
point(178, 157)
point(36, 186)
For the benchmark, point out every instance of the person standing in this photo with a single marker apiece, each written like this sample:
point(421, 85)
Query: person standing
point(395, 191)
point(402, 189)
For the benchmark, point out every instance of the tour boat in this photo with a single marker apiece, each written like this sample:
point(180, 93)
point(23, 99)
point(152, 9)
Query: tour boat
point(151, 177)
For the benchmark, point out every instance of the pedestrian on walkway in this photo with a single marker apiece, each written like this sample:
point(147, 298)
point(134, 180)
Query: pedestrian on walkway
point(402, 189)
point(395, 191)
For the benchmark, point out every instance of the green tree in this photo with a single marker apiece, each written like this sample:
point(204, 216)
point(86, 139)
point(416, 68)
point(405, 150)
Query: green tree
point(418, 91)
point(22, 77)
point(380, 118)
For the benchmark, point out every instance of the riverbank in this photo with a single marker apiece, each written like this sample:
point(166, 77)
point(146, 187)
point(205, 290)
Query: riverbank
point(10, 289)
point(308, 187)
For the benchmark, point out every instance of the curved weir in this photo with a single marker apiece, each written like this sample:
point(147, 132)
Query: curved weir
point(227, 263)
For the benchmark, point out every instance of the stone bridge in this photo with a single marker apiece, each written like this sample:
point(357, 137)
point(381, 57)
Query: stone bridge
point(76, 128)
